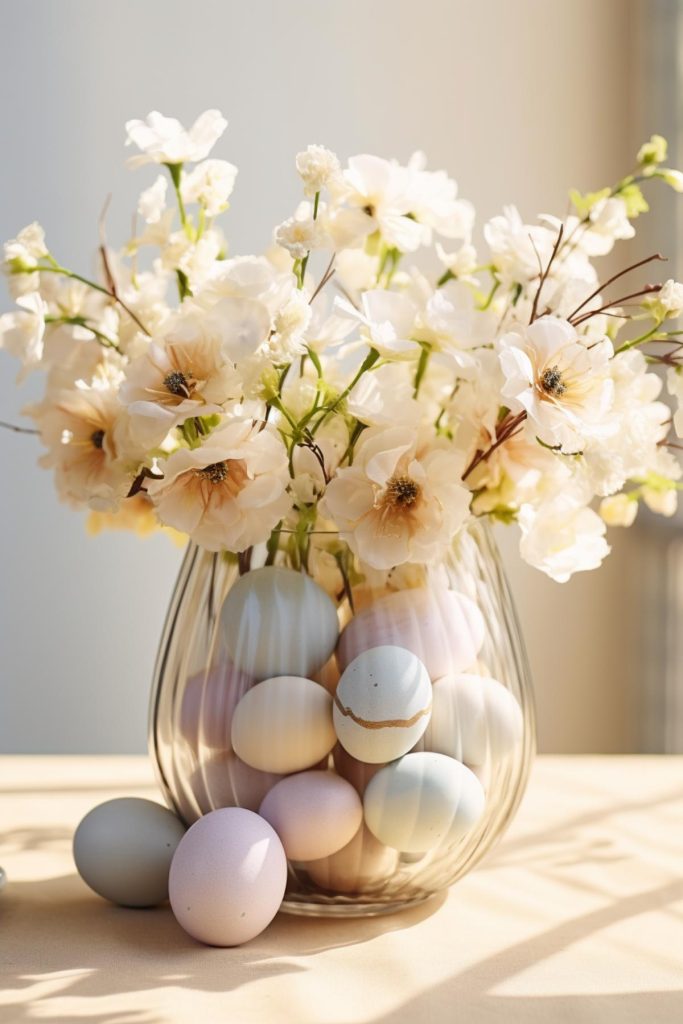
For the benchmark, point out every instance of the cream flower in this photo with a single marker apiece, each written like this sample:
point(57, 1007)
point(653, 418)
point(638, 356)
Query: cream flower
point(152, 201)
point(211, 184)
point(384, 397)
point(387, 320)
point(186, 371)
point(80, 427)
point(674, 383)
point(22, 332)
point(516, 248)
point(163, 140)
point(563, 386)
point(318, 168)
point(24, 251)
point(290, 324)
point(229, 493)
point(608, 223)
point(562, 537)
point(619, 510)
point(301, 235)
point(667, 303)
point(434, 202)
point(401, 500)
point(382, 191)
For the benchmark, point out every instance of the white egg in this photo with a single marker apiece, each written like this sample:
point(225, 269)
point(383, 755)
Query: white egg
point(283, 725)
point(474, 719)
point(123, 850)
point(443, 628)
point(314, 813)
point(362, 865)
point(382, 704)
point(422, 800)
point(278, 622)
point(228, 877)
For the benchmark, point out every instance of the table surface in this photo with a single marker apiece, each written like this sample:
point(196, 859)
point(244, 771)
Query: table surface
point(576, 916)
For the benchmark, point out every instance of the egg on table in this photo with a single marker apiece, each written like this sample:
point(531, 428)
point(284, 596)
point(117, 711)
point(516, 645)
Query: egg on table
point(315, 813)
point(123, 850)
point(283, 725)
point(382, 704)
point(277, 622)
point(443, 628)
point(360, 866)
point(474, 719)
point(422, 800)
point(228, 877)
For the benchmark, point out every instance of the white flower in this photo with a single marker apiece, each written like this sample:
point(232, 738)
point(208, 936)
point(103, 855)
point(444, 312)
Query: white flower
point(608, 223)
point(229, 493)
point(185, 372)
point(619, 510)
point(433, 201)
point(384, 397)
point(661, 499)
point(387, 320)
point(563, 385)
point(461, 263)
point(674, 383)
point(152, 201)
point(27, 248)
point(401, 500)
point(562, 537)
point(163, 140)
point(22, 332)
point(667, 303)
point(301, 235)
point(290, 325)
point(382, 190)
point(318, 167)
point(518, 250)
point(211, 184)
point(196, 259)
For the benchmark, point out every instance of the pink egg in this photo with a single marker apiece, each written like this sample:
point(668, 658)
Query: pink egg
point(443, 628)
point(226, 781)
point(358, 773)
point(314, 813)
point(228, 877)
point(208, 703)
point(362, 865)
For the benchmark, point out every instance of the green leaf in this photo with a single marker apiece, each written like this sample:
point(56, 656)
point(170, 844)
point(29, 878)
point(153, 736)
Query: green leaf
point(635, 200)
point(654, 151)
point(583, 204)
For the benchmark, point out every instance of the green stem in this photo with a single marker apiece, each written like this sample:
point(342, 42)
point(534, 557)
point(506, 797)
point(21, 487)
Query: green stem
point(175, 171)
point(425, 352)
point(316, 201)
point(80, 321)
point(637, 341)
point(369, 361)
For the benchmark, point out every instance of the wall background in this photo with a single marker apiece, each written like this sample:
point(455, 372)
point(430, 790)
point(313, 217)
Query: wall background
point(518, 101)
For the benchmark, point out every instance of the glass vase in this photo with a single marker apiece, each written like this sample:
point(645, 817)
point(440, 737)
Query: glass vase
point(424, 820)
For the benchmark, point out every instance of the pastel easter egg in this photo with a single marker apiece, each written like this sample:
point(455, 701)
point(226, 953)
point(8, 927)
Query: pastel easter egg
point(207, 705)
point(314, 813)
point(382, 704)
point(226, 781)
point(443, 628)
point(283, 725)
point(474, 719)
point(328, 675)
point(362, 865)
point(421, 801)
point(228, 877)
point(277, 622)
point(123, 850)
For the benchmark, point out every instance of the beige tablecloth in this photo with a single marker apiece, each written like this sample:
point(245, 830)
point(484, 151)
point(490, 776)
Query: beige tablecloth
point(576, 916)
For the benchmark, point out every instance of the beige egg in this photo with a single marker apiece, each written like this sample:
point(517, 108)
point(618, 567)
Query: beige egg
point(362, 865)
point(283, 725)
point(444, 629)
point(207, 704)
point(474, 719)
point(382, 704)
point(277, 622)
point(314, 813)
point(421, 801)
point(358, 773)
point(226, 781)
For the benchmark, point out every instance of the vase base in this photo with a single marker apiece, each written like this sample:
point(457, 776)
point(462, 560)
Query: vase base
point(335, 906)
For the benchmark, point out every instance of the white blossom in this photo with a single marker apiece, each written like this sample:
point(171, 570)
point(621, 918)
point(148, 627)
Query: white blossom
point(211, 184)
point(163, 140)
point(562, 537)
point(22, 332)
point(152, 201)
point(301, 235)
point(674, 382)
point(318, 168)
point(619, 510)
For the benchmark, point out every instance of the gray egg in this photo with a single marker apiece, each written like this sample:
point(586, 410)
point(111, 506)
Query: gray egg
point(123, 850)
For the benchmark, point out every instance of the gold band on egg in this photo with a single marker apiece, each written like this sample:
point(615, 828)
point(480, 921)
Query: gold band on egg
point(388, 723)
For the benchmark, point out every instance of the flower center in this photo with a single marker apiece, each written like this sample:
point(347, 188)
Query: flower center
point(97, 438)
point(401, 492)
point(177, 383)
point(552, 383)
point(216, 473)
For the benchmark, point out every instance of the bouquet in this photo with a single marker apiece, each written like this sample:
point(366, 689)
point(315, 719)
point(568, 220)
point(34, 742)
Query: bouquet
point(370, 382)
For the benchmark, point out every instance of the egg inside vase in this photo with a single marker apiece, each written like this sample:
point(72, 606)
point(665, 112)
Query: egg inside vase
point(386, 742)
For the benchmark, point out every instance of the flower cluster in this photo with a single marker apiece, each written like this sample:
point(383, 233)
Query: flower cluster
point(331, 391)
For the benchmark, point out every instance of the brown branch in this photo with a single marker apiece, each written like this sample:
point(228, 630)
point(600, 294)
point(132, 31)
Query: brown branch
point(615, 277)
point(108, 275)
point(649, 289)
point(329, 273)
point(544, 274)
point(507, 429)
point(18, 430)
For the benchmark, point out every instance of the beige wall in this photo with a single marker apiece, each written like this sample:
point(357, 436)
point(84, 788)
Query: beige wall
point(518, 100)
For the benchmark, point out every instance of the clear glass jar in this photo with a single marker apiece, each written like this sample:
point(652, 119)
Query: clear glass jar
point(474, 731)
